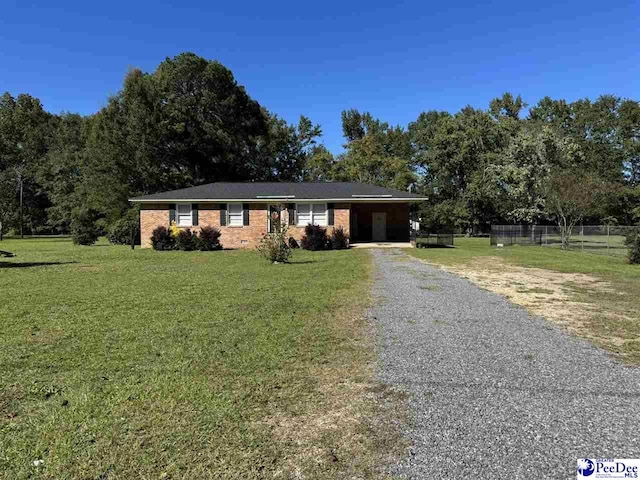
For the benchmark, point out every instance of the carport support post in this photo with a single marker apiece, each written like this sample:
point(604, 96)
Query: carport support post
point(608, 226)
point(582, 237)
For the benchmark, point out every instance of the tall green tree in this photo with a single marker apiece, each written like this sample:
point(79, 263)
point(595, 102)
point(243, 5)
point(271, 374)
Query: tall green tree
point(454, 153)
point(376, 153)
point(320, 165)
point(189, 122)
point(570, 196)
point(62, 175)
point(629, 128)
point(607, 131)
point(524, 169)
point(25, 130)
point(286, 149)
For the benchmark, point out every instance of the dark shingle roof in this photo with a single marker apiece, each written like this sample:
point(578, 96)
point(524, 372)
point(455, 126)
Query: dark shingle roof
point(281, 190)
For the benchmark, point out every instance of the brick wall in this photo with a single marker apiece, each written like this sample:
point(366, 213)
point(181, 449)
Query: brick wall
point(154, 215)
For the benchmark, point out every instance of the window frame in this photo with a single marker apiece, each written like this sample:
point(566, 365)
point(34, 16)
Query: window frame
point(311, 214)
point(190, 205)
point(229, 224)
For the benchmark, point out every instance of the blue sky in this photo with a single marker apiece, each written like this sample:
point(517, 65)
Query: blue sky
point(394, 59)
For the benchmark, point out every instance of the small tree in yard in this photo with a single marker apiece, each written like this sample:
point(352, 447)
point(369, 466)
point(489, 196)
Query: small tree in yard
point(569, 198)
point(122, 230)
point(274, 246)
point(84, 228)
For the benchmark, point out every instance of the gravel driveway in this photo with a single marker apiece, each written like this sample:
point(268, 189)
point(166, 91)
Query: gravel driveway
point(492, 390)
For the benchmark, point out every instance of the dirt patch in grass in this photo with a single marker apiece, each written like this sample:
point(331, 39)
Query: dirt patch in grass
point(579, 302)
point(353, 434)
point(353, 431)
point(433, 288)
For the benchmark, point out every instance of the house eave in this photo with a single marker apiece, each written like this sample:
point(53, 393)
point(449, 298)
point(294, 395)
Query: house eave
point(285, 200)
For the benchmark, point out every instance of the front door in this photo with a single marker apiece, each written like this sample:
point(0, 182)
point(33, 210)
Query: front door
point(275, 218)
point(379, 227)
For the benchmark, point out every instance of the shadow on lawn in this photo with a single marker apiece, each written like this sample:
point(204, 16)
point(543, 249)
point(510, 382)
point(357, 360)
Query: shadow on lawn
point(30, 264)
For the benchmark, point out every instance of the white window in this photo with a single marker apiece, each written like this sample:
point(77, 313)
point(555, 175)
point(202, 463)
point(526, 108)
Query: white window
point(312, 213)
point(234, 210)
point(183, 213)
point(304, 214)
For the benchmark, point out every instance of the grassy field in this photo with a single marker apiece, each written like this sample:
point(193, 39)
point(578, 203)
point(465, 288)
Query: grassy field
point(140, 364)
point(609, 305)
point(595, 244)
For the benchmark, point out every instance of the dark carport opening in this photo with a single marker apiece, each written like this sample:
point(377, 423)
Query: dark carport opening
point(379, 222)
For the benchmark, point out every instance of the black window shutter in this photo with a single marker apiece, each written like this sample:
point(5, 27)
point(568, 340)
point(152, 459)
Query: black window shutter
point(223, 214)
point(330, 215)
point(172, 213)
point(194, 214)
point(245, 214)
point(292, 213)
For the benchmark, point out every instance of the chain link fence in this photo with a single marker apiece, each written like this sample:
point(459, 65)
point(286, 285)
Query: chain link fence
point(432, 238)
point(605, 239)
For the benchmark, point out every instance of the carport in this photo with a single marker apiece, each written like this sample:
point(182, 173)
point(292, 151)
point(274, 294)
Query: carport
point(379, 222)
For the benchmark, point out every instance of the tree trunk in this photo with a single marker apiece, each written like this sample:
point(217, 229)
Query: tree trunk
point(566, 228)
point(21, 208)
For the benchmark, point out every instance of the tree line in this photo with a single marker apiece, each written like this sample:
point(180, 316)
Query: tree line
point(189, 122)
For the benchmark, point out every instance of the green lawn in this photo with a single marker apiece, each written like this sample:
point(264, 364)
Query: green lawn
point(616, 310)
point(466, 249)
point(140, 364)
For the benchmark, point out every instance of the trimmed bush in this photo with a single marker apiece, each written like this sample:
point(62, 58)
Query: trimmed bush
point(209, 239)
point(164, 238)
point(121, 230)
point(632, 241)
point(339, 239)
point(315, 238)
point(161, 239)
point(186, 240)
point(84, 229)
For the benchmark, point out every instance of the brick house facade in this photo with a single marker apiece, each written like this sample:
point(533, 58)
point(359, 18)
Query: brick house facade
point(242, 212)
point(154, 215)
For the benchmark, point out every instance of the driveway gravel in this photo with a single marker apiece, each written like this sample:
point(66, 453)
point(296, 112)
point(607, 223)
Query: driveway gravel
point(493, 391)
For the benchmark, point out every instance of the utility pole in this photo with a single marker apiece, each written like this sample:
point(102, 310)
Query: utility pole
point(21, 180)
point(21, 208)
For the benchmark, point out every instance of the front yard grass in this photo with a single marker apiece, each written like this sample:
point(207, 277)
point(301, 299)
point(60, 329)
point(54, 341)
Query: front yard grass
point(140, 364)
point(595, 296)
